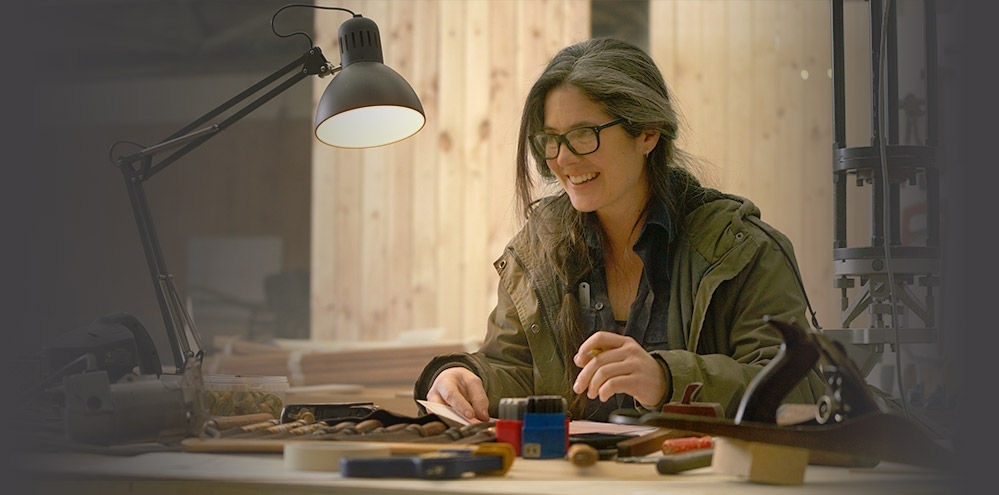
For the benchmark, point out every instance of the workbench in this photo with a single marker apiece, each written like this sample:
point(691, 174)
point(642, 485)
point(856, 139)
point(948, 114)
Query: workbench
point(191, 473)
point(165, 471)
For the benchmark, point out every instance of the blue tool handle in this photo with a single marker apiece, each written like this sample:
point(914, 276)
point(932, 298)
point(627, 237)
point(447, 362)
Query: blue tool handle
point(426, 467)
point(379, 467)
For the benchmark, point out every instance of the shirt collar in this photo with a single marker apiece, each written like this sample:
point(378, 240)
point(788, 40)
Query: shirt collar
point(658, 217)
point(658, 220)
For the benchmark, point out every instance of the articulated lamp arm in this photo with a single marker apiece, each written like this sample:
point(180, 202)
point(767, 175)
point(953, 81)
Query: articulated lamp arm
point(139, 167)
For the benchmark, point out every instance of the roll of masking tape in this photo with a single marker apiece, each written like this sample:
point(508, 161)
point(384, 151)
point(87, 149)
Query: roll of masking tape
point(325, 455)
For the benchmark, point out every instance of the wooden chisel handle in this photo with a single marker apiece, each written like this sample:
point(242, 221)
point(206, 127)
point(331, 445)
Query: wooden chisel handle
point(648, 443)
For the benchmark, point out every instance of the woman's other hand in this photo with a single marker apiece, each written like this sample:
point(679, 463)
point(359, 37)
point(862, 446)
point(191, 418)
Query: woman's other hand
point(613, 364)
point(461, 389)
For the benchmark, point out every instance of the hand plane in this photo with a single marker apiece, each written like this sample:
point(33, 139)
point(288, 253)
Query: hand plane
point(849, 419)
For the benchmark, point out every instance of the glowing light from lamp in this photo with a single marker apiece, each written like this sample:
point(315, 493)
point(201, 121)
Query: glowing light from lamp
point(367, 104)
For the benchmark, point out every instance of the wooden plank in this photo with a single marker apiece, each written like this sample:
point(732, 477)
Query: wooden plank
point(764, 126)
point(739, 99)
point(346, 266)
point(686, 76)
point(273, 445)
point(422, 299)
point(805, 165)
point(505, 106)
point(577, 20)
point(711, 86)
point(532, 53)
point(399, 183)
point(373, 247)
point(450, 193)
point(387, 365)
point(477, 135)
point(814, 246)
point(662, 38)
point(788, 123)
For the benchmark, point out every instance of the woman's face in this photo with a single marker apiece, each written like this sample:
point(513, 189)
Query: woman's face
point(611, 181)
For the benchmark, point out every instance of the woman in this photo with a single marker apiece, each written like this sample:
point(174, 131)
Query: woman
point(633, 281)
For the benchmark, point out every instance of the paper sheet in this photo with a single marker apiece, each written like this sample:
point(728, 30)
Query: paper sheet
point(446, 412)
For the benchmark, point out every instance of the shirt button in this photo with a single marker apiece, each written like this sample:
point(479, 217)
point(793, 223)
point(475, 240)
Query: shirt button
point(598, 306)
point(738, 236)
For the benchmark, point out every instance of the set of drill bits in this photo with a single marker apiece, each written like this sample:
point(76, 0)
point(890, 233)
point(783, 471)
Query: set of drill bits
point(378, 425)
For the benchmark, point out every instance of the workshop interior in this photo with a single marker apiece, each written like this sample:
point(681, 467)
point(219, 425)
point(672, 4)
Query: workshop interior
point(183, 255)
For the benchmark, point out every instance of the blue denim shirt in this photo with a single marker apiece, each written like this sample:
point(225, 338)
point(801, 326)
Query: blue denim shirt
point(647, 316)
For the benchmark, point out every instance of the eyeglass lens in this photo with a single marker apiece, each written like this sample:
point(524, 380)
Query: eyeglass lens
point(581, 141)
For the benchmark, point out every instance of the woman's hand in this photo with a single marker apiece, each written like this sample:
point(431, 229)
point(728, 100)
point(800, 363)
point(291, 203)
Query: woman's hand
point(461, 389)
point(613, 364)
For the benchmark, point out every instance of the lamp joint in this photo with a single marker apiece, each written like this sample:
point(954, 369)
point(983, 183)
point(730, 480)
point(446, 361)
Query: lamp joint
point(316, 63)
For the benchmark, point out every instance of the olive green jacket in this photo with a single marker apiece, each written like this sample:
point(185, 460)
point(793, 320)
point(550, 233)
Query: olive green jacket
point(729, 269)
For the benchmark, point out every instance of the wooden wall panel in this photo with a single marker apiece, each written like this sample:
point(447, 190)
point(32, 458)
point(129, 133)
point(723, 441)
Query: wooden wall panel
point(752, 81)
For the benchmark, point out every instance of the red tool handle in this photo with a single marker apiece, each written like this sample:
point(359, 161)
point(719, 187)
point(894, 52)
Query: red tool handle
point(677, 445)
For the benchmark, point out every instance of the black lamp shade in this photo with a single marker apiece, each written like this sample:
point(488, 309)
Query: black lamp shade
point(367, 104)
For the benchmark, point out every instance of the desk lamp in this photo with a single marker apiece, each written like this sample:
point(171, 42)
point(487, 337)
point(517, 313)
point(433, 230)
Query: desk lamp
point(366, 105)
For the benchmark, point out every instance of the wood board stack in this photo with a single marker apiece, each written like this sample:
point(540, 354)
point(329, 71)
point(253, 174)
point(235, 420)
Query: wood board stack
point(370, 366)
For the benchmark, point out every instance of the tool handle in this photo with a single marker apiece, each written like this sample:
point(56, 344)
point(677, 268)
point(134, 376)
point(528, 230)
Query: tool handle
point(582, 455)
point(423, 466)
point(686, 444)
point(678, 463)
point(647, 443)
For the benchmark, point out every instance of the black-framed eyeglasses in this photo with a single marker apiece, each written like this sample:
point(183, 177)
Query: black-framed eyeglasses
point(580, 140)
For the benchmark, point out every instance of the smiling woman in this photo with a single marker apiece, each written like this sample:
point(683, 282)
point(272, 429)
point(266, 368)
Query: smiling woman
point(632, 281)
